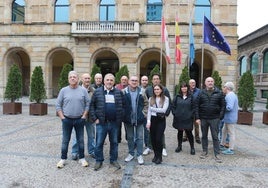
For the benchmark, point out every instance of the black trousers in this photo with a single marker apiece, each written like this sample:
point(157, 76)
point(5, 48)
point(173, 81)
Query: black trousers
point(157, 130)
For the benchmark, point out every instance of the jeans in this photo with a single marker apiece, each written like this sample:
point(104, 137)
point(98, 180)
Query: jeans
point(67, 126)
point(110, 128)
point(213, 124)
point(221, 124)
point(146, 135)
point(135, 138)
point(228, 129)
point(90, 128)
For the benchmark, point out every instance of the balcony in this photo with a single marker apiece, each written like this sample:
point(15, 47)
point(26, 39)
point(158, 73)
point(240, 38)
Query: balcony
point(105, 29)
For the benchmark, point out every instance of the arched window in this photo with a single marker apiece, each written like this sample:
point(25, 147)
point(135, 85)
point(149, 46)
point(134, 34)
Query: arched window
point(18, 11)
point(265, 62)
point(243, 65)
point(254, 63)
point(154, 10)
point(202, 7)
point(107, 10)
point(62, 9)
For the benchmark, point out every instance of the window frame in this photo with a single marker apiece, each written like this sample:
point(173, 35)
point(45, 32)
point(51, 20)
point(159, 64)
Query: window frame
point(56, 6)
point(13, 14)
point(199, 6)
point(154, 5)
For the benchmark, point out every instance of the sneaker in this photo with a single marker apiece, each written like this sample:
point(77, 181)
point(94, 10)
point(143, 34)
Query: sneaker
point(164, 152)
point(146, 151)
point(226, 145)
point(115, 164)
point(97, 166)
point(140, 160)
point(129, 158)
point(222, 148)
point(83, 162)
point(204, 155)
point(61, 163)
point(92, 155)
point(228, 152)
point(74, 157)
point(217, 159)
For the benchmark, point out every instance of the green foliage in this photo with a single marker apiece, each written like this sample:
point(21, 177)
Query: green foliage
point(156, 70)
point(184, 77)
point(38, 92)
point(123, 71)
point(63, 80)
point(266, 103)
point(14, 84)
point(246, 91)
point(95, 69)
point(217, 79)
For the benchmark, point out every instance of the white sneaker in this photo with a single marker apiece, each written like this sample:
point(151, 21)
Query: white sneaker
point(83, 162)
point(164, 152)
point(140, 160)
point(129, 158)
point(146, 151)
point(61, 163)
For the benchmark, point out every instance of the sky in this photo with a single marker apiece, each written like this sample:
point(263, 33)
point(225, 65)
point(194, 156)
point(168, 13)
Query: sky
point(251, 15)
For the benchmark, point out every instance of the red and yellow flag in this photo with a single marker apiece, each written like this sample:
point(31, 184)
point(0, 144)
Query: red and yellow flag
point(178, 42)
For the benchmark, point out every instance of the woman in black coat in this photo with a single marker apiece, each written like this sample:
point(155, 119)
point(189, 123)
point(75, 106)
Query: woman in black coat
point(183, 112)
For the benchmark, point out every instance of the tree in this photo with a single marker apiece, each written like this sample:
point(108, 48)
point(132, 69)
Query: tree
point(123, 71)
point(217, 79)
point(246, 91)
point(184, 77)
point(95, 69)
point(37, 92)
point(156, 70)
point(63, 80)
point(14, 84)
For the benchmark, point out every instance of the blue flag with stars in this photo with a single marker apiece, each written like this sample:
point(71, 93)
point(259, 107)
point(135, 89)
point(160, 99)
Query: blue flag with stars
point(214, 37)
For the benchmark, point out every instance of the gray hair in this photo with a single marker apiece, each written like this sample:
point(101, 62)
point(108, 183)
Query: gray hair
point(229, 85)
point(72, 72)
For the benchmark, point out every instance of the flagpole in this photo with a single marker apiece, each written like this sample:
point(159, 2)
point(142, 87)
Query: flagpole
point(189, 57)
point(202, 61)
point(161, 38)
point(174, 72)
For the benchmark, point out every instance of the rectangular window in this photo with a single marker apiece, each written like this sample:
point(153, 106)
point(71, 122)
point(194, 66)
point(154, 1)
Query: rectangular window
point(264, 94)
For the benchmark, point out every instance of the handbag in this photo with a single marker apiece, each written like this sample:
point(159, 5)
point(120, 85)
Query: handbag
point(160, 115)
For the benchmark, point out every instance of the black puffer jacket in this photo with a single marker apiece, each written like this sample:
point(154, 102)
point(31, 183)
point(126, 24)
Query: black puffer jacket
point(210, 106)
point(97, 105)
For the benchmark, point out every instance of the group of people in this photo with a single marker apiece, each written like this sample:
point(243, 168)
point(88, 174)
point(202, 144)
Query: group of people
point(104, 107)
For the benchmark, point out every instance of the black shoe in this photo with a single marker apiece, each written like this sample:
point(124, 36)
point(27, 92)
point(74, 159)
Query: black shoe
point(115, 164)
point(178, 149)
point(97, 166)
point(192, 151)
point(198, 141)
point(158, 161)
point(154, 159)
point(75, 157)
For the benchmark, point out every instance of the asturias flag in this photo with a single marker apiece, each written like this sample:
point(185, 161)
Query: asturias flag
point(192, 49)
point(214, 37)
point(165, 39)
point(178, 42)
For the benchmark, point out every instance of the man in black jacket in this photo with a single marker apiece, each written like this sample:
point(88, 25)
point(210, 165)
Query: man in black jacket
point(106, 110)
point(209, 110)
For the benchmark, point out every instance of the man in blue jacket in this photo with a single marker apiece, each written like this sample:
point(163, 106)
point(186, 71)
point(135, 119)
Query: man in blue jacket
point(136, 106)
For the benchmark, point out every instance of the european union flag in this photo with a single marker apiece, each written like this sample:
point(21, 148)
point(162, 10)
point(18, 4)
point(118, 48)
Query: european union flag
point(213, 37)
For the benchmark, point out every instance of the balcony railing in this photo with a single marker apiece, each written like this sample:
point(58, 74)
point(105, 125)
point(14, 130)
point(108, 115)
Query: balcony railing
point(95, 27)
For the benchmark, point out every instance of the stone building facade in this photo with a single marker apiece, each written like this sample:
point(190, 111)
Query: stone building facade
point(253, 56)
point(112, 33)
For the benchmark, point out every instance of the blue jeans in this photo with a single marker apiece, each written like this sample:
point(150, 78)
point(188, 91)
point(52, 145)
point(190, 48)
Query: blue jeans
point(221, 124)
point(110, 128)
point(90, 128)
point(135, 138)
point(67, 126)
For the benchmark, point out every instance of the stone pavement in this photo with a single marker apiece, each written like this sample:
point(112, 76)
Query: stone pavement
point(30, 149)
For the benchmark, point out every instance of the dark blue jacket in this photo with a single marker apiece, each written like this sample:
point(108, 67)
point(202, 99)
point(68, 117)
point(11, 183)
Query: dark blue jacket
point(97, 105)
point(141, 106)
